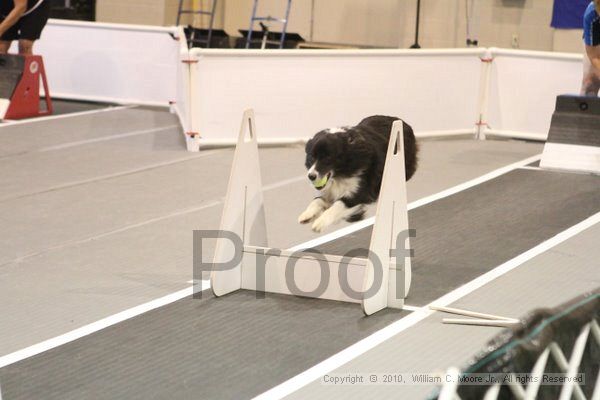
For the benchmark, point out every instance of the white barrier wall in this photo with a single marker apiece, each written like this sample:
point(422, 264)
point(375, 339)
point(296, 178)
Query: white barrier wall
point(111, 62)
point(183, 102)
point(442, 92)
point(523, 89)
point(296, 93)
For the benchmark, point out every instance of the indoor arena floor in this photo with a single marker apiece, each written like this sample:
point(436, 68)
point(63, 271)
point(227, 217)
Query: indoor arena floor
point(97, 211)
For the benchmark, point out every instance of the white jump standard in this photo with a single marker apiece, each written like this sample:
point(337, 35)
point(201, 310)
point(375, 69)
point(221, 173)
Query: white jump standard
point(379, 281)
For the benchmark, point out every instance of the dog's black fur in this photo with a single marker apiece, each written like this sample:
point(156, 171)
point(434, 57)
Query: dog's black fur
point(358, 152)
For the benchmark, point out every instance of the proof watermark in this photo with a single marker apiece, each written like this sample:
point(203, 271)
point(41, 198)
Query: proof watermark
point(480, 379)
point(231, 245)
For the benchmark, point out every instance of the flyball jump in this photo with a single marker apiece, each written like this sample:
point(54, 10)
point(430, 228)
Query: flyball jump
point(382, 280)
point(573, 142)
point(20, 87)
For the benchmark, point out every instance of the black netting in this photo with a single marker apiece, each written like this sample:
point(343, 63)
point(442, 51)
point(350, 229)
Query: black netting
point(516, 350)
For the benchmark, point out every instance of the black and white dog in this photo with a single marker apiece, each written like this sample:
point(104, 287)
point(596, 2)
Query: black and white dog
point(346, 166)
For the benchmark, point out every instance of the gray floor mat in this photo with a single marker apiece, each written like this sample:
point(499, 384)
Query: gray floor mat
point(238, 346)
point(228, 348)
point(86, 280)
point(37, 135)
point(62, 106)
point(551, 278)
point(473, 231)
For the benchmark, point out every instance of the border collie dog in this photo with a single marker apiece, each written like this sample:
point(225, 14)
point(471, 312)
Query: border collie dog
point(346, 166)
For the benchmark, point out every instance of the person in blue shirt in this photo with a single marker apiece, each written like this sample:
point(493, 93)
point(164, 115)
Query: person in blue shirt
point(591, 59)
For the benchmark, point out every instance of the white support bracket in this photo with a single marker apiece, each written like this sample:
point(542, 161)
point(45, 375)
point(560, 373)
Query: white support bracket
point(243, 212)
point(481, 125)
point(379, 281)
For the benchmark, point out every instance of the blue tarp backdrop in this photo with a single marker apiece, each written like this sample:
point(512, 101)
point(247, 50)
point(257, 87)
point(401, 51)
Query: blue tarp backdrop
point(568, 14)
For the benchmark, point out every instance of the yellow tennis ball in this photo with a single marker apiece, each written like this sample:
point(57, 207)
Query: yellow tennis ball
point(321, 182)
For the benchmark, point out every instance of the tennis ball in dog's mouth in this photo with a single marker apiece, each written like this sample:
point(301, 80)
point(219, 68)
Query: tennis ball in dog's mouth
point(319, 183)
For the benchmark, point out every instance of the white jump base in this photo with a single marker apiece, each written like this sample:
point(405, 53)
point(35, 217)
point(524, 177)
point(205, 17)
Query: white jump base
point(571, 158)
point(377, 282)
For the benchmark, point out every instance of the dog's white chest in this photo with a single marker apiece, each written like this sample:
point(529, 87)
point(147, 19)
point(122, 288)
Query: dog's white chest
point(339, 188)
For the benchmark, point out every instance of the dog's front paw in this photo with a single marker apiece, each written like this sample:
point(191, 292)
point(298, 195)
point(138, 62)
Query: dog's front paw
point(309, 214)
point(306, 217)
point(320, 224)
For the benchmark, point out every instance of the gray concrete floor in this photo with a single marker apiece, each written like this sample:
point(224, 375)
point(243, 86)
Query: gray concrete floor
point(63, 106)
point(548, 280)
point(238, 346)
point(97, 212)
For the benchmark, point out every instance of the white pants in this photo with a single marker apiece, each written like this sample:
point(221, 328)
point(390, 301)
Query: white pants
point(590, 84)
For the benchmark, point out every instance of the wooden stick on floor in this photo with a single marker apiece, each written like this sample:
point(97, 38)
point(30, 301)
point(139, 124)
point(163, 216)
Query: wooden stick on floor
point(472, 314)
point(481, 322)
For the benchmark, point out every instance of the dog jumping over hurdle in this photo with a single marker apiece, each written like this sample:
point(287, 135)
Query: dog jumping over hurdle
point(346, 166)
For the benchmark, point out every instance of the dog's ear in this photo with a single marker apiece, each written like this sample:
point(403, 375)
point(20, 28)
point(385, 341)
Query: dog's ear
point(309, 145)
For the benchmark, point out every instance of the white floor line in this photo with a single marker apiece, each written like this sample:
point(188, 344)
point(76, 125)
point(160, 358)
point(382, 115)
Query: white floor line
point(143, 223)
point(411, 308)
point(284, 182)
point(375, 339)
point(418, 203)
point(98, 325)
point(188, 157)
point(61, 116)
point(384, 334)
point(110, 232)
point(106, 138)
point(532, 168)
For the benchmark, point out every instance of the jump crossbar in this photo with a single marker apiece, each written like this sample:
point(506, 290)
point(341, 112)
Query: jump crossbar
point(377, 281)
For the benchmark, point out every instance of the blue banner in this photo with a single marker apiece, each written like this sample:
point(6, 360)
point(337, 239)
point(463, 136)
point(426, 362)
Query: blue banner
point(568, 14)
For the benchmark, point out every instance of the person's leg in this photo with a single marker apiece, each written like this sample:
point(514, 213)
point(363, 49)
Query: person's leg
point(4, 46)
point(32, 26)
point(590, 84)
point(26, 47)
point(7, 38)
